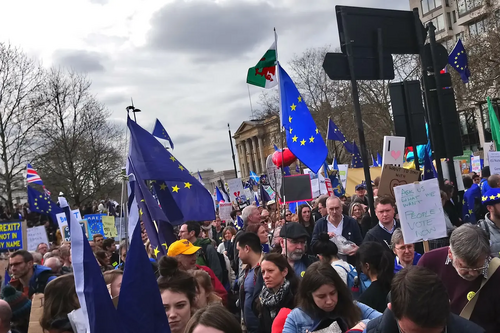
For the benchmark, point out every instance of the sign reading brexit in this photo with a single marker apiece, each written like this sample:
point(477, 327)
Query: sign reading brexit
point(11, 236)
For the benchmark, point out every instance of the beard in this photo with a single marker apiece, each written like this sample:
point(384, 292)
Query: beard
point(295, 255)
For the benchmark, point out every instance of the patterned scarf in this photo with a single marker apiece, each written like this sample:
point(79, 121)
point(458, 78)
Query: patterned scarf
point(272, 299)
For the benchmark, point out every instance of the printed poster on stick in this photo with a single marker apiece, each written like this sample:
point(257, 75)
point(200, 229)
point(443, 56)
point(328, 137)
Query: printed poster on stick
point(236, 189)
point(11, 236)
point(420, 211)
point(35, 236)
point(394, 176)
point(225, 209)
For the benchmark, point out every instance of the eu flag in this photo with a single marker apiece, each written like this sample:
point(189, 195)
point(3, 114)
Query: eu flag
point(458, 60)
point(175, 187)
point(41, 203)
point(357, 161)
point(160, 132)
point(429, 170)
point(303, 137)
point(160, 231)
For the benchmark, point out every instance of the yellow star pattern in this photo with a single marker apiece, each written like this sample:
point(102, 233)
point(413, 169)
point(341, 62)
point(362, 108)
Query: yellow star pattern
point(311, 139)
point(300, 99)
point(156, 251)
point(291, 129)
point(293, 106)
point(498, 195)
point(172, 158)
point(188, 185)
point(294, 139)
point(181, 167)
point(166, 246)
point(492, 197)
point(163, 186)
point(140, 211)
point(143, 200)
point(289, 119)
point(303, 142)
point(317, 131)
point(175, 188)
point(485, 198)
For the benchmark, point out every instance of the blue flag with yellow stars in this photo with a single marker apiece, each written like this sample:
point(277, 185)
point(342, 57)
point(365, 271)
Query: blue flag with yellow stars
point(160, 132)
point(181, 196)
point(429, 170)
point(459, 61)
point(302, 136)
point(160, 231)
point(41, 203)
point(357, 161)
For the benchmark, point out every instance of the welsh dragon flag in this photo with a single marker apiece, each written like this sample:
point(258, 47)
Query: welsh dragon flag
point(264, 73)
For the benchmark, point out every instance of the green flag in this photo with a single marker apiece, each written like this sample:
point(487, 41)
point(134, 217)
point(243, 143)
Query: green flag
point(264, 73)
point(494, 125)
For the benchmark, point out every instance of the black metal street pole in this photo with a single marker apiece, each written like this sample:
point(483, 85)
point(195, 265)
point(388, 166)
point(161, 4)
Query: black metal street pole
point(232, 151)
point(439, 91)
point(357, 112)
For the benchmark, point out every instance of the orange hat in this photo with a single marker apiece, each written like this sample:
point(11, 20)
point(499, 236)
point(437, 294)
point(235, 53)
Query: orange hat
point(182, 246)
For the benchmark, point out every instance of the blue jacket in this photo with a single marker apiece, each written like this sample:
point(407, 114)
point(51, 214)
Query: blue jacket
point(398, 267)
point(41, 276)
point(300, 322)
point(350, 231)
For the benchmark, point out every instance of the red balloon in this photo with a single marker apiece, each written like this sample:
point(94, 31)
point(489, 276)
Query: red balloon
point(287, 155)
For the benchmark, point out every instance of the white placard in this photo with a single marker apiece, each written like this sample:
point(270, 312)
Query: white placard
point(35, 236)
point(458, 174)
point(274, 175)
point(61, 218)
point(225, 209)
point(488, 146)
point(494, 161)
point(343, 170)
point(235, 188)
point(476, 164)
point(394, 150)
point(420, 211)
point(318, 185)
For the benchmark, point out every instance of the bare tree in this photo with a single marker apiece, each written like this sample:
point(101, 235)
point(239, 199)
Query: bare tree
point(21, 108)
point(80, 155)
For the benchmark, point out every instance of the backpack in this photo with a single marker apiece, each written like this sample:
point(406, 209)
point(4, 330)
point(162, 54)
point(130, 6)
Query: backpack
point(222, 262)
point(356, 282)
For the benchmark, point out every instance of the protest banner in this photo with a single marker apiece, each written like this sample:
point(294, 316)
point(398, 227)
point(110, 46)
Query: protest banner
point(487, 147)
point(11, 235)
point(236, 189)
point(62, 221)
point(394, 176)
point(343, 169)
point(476, 164)
point(329, 187)
point(35, 236)
point(94, 224)
point(66, 234)
point(225, 209)
point(108, 225)
point(420, 211)
point(394, 150)
point(494, 161)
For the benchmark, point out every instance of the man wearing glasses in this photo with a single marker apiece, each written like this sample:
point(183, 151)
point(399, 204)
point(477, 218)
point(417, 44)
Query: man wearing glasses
point(470, 275)
point(419, 303)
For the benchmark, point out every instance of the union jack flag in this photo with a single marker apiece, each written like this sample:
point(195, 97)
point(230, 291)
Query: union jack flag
point(32, 176)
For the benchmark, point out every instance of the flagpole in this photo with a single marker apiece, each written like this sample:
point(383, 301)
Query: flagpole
point(232, 151)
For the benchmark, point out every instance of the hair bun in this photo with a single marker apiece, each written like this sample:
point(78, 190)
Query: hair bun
point(324, 237)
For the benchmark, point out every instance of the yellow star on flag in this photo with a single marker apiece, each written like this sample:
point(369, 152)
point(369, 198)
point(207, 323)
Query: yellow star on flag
point(485, 198)
point(317, 131)
point(291, 129)
point(143, 200)
point(293, 106)
point(492, 197)
point(166, 246)
point(140, 211)
point(498, 195)
point(311, 139)
point(181, 167)
point(294, 139)
point(303, 142)
point(156, 251)
point(163, 186)
point(300, 99)
point(172, 158)
point(188, 185)
point(175, 188)
point(289, 119)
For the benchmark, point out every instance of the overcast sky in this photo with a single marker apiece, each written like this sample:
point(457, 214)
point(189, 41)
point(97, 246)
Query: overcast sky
point(183, 62)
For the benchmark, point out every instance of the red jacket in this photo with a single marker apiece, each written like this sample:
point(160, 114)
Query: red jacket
point(218, 287)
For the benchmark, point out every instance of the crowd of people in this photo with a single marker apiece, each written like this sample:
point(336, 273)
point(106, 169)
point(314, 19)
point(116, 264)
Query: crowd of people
point(328, 267)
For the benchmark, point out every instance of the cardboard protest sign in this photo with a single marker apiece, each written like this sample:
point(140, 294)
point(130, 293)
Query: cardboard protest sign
point(394, 150)
point(35, 236)
point(420, 211)
point(36, 313)
point(11, 235)
point(236, 189)
point(225, 209)
point(94, 224)
point(393, 176)
point(108, 225)
point(66, 236)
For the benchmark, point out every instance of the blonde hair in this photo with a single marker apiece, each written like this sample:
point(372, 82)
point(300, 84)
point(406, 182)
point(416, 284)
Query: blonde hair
point(203, 280)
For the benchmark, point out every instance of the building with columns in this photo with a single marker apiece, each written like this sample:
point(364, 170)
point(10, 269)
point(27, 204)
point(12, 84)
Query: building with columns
point(211, 178)
point(255, 140)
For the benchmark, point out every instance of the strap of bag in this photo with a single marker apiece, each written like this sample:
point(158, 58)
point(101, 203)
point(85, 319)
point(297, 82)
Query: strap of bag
point(469, 307)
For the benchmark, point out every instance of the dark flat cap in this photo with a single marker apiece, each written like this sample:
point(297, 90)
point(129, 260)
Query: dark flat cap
point(293, 230)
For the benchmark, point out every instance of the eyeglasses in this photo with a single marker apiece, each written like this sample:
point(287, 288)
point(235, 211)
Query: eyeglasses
point(403, 248)
point(288, 214)
point(468, 269)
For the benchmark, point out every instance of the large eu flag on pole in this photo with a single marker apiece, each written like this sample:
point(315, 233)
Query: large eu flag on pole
point(181, 196)
point(459, 61)
point(302, 136)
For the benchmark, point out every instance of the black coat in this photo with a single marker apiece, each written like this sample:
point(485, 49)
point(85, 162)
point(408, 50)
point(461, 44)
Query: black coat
point(264, 313)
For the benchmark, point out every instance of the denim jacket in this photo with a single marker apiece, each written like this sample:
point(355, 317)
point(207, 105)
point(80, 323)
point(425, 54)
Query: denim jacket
point(300, 322)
